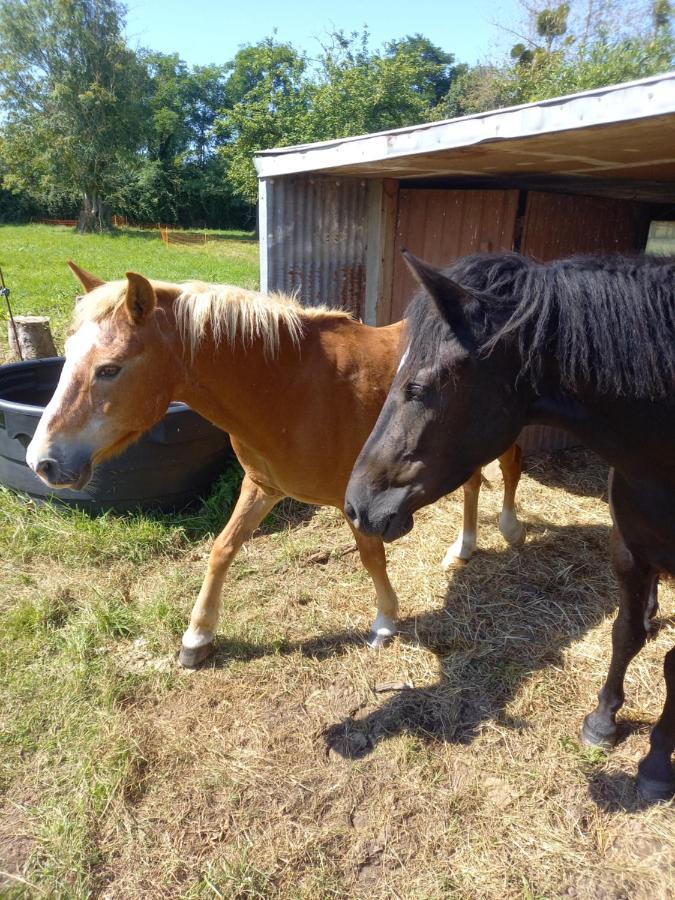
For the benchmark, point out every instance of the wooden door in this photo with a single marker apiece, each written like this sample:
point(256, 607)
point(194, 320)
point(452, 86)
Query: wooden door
point(440, 226)
point(560, 225)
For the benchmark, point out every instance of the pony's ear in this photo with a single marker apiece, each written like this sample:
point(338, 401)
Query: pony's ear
point(140, 300)
point(449, 297)
point(86, 279)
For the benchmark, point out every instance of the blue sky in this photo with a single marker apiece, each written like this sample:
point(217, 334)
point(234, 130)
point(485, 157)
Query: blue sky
point(205, 31)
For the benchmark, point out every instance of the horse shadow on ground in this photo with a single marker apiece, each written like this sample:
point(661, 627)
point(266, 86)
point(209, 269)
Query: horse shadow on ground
point(576, 470)
point(503, 617)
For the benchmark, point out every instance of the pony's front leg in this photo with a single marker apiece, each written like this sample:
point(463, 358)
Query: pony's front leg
point(251, 508)
point(371, 551)
point(511, 466)
point(461, 551)
point(637, 583)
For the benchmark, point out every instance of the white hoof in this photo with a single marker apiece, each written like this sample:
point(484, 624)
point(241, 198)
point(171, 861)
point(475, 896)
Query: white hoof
point(382, 631)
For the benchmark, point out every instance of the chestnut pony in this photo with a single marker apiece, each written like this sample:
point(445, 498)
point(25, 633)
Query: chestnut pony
point(587, 344)
point(298, 390)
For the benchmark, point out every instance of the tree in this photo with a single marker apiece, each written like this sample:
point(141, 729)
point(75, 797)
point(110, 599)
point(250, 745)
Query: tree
point(276, 100)
point(590, 52)
point(72, 92)
point(359, 90)
point(267, 96)
point(570, 47)
point(433, 70)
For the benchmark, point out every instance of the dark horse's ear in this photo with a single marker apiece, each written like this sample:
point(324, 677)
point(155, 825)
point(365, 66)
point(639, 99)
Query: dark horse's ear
point(86, 279)
point(140, 300)
point(448, 296)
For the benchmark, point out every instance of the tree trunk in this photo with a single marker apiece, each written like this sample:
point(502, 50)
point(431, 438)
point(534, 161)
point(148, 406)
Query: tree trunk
point(94, 215)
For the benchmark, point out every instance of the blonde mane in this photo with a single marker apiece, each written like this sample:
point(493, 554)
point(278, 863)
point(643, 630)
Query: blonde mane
point(229, 312)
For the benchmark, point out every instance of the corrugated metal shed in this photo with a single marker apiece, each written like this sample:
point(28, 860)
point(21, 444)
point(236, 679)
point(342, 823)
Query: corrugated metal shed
point(442, 225)
point(314, 229)
point(573, 174)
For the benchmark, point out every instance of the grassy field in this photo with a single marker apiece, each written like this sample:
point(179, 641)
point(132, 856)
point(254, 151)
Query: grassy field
point(33, 259)
point(298, 764)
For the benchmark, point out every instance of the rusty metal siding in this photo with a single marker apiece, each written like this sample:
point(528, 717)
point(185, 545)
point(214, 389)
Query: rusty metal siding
point(441, 225)
point(314, 239)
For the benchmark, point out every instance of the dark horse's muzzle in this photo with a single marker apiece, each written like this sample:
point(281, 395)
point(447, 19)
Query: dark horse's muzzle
point(382, 514)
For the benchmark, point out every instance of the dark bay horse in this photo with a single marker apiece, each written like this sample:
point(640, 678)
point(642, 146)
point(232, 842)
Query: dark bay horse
point(585, 344)
point(298, 390)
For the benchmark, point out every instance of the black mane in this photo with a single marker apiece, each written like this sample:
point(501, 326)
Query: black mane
point(610, 321)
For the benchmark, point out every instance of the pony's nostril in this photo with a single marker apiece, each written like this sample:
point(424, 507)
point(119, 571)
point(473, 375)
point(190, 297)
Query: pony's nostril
point(47, 469)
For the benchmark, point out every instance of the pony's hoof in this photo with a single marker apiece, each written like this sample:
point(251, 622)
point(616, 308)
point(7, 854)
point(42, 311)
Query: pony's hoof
point(451, 562)
point(517, 537)
point(193, 657)
point(654, 791)
point(595, 737)
point(378, 641)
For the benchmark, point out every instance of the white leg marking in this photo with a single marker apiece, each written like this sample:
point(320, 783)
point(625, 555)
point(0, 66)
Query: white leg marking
point(511, 528)
point(461, 551)
point(383, 626)
point(198, 637)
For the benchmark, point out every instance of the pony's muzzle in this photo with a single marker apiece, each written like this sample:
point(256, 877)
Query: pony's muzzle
point(57, 475)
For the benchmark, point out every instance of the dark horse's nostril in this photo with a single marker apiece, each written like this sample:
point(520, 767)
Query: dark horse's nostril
point(350, 512)
point(47, 469)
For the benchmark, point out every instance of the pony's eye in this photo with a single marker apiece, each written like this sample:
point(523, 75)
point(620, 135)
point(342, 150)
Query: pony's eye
point(107, 371)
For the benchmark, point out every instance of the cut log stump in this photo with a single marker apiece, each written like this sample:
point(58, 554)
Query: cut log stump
point(34, 337)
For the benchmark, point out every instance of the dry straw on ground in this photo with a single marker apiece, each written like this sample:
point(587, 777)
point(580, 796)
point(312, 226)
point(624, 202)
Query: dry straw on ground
point(300, 764)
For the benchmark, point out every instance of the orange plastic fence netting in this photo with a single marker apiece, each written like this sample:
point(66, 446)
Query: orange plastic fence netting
point(181, 238)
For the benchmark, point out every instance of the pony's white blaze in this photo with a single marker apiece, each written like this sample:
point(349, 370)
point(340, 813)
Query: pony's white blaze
point(77, 347)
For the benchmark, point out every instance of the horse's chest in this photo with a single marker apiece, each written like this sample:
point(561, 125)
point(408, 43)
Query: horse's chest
point(645, 516)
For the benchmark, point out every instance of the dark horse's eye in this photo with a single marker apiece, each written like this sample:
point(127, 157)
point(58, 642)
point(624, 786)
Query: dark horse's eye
point(414, 391)
point(107, 371)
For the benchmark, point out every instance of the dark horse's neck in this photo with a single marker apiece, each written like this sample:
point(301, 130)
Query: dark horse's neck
point(594, 342)
point(628, 433)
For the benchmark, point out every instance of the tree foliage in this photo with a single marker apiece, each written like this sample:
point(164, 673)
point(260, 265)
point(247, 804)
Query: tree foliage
point(71, 91)
point(88, 121)
point(349, 90)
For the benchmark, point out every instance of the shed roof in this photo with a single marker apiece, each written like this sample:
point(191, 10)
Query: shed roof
point(624, 131)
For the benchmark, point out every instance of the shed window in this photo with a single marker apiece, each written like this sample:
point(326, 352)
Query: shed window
point(661, 238)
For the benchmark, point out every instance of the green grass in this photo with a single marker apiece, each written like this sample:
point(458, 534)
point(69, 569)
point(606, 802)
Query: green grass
point(122, 776)
point(33, 259)
point(68, 598)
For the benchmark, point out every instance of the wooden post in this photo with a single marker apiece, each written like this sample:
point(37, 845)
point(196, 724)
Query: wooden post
point(34, 335)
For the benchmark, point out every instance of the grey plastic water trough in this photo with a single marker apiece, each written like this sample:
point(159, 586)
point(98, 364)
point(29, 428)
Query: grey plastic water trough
point(171, 465)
